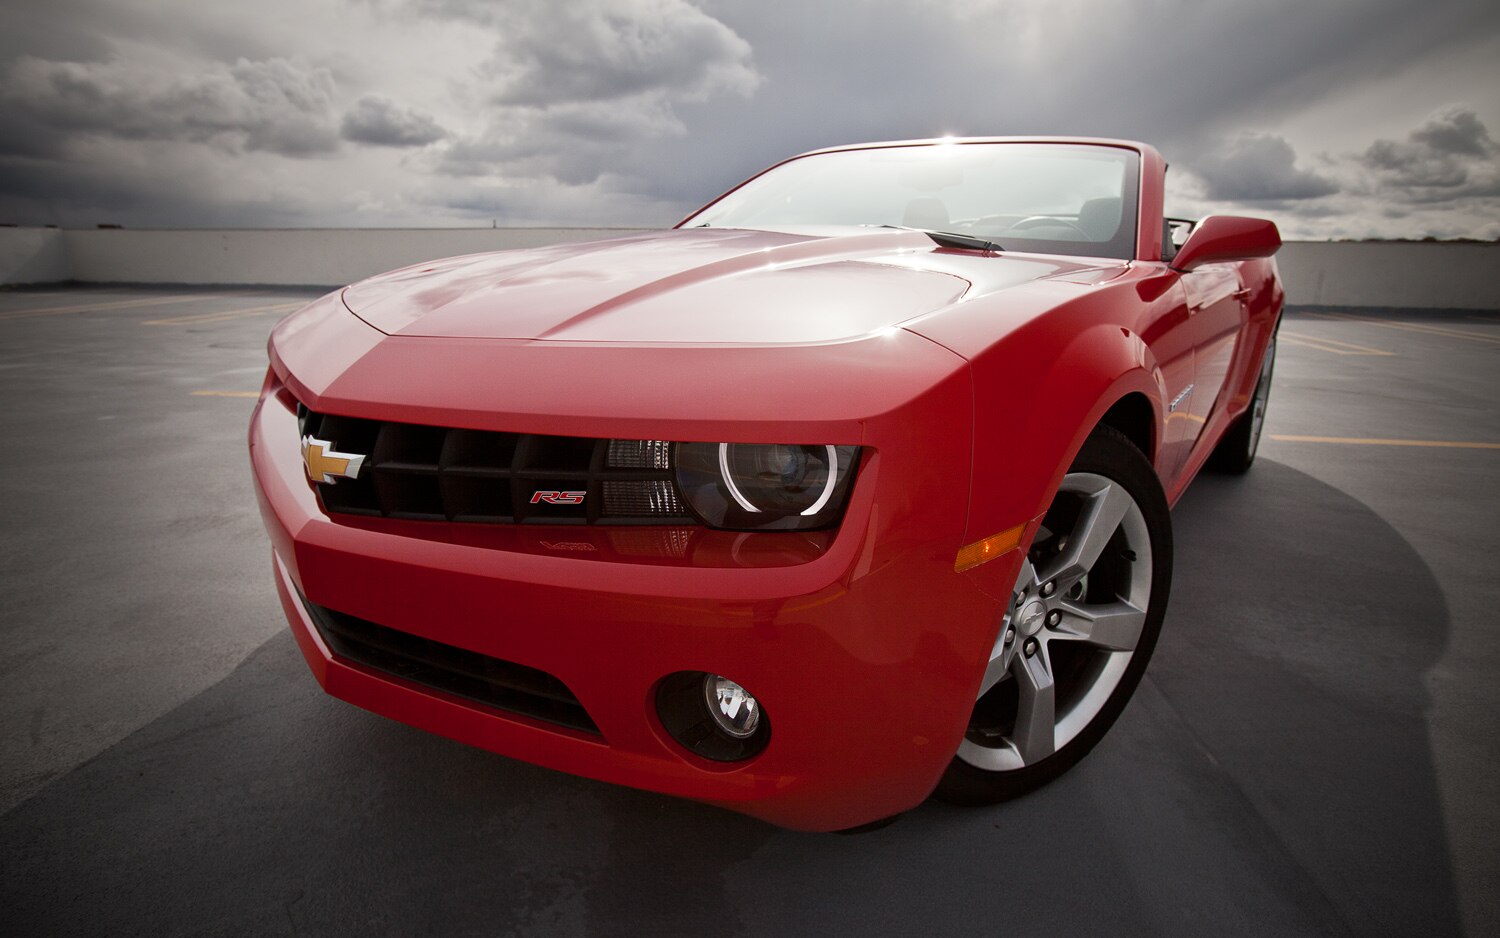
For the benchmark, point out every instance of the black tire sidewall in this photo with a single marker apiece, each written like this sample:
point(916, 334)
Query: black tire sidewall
point(1233, 454)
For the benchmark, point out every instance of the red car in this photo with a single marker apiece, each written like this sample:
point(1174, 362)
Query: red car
point(852, 487)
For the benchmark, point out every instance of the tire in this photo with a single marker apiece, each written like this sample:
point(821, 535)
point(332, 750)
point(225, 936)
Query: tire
point(1079, 632)
point(1236, 451)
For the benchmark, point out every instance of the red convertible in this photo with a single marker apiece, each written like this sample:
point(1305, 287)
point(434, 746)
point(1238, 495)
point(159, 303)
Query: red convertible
point(851, 488)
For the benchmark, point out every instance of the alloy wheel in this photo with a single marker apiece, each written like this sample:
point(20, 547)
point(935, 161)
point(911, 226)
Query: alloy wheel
point(1077, 615)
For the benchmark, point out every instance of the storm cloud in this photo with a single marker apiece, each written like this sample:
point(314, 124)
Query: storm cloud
point(1450, 154)
point(275, 105)
point(573, 86)
point(631, 112)
point(1258, 168)
point(380, 122)
point(628, 50)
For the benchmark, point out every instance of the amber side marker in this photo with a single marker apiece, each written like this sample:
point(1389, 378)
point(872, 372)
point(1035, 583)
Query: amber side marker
point(988, 549)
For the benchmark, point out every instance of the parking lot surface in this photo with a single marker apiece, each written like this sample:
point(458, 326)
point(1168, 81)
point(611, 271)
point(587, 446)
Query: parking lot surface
point(1314, 748)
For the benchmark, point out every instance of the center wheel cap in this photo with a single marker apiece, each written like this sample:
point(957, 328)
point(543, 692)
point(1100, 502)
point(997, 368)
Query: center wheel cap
point(1033, 614)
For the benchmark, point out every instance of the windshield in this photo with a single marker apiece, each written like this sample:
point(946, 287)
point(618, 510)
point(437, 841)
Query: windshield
point(1044, 198)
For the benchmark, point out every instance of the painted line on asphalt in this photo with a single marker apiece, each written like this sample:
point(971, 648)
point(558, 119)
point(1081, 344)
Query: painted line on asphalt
point(118, 304)
point(1369, 441)
point(1329, 345)
point(1415, 327)
point(226, 394)
point(198, 319)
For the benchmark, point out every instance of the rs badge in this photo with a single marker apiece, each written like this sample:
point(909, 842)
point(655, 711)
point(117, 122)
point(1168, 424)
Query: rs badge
point(325, 465)
point(558, 498)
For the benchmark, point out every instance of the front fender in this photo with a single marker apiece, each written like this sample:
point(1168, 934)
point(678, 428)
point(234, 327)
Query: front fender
point(1039, 392)
point(1030, 422)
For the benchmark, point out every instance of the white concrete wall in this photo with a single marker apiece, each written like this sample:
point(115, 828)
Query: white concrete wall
point(32, 255)
point(1424, 276)
point(1420, 276)
point(287, 257)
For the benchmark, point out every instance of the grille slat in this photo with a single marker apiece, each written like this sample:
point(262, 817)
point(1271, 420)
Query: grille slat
point(409, 468)
point(430, 473)
point(493, 682)
point(518, 496)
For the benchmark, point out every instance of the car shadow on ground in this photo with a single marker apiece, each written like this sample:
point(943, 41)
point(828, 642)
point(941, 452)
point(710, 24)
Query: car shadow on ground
point(1273, 775)
point(1302, 629)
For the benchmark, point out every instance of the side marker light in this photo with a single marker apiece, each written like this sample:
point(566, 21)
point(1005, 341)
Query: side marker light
point(988, 549)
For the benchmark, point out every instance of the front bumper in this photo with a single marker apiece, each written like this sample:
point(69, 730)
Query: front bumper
point(863, 646)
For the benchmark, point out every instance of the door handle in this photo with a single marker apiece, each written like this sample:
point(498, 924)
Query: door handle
point(1242, 293)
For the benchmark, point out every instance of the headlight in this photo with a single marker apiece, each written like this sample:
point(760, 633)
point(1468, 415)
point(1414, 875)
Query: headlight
point(766, 486)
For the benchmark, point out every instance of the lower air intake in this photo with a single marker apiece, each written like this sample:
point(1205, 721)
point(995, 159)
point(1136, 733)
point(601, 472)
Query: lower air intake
point(504, 685)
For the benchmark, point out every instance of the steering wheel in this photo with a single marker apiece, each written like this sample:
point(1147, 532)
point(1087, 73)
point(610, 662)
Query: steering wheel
point(1040, 221)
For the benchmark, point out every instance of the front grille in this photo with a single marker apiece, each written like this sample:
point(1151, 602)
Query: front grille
point(504, 685)
point(427, 473)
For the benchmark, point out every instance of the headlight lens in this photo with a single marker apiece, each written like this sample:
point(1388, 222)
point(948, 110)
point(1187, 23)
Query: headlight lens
point(760, 486)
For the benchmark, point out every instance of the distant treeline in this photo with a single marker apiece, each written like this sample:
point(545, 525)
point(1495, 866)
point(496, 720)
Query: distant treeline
point(1427, 240)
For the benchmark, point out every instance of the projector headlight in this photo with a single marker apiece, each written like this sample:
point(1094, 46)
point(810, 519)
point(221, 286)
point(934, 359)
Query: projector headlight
point(766, 486)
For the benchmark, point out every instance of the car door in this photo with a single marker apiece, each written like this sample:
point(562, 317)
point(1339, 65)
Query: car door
point(1216, 311)
point(1171, 340)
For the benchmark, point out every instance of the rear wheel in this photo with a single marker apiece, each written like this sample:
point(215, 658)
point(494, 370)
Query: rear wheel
point(1236, 451)
point(1081, 625)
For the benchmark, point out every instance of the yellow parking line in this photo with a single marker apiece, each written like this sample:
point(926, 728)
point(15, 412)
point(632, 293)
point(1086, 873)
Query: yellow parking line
point(226, 394)
point(118, 304)
point(1329, 345)
point(200, 318)
point(1367, 441)
point(1415, 327)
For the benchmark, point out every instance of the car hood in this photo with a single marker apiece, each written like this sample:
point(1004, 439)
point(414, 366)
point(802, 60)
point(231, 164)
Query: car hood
point(703, 286)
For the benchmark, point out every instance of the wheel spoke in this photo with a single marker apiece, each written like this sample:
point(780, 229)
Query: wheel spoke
point(1087, 583)
point(1100, 519)
point(1026, 579)
point(1000, 655)
point(994, 672)
point(1115, 626)
point(1036, 716)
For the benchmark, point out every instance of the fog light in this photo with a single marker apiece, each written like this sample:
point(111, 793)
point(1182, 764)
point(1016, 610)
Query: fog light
point(733, 709)
point(712, 716)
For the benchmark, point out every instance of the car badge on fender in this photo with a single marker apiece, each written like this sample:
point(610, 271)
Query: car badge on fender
point(326, 465)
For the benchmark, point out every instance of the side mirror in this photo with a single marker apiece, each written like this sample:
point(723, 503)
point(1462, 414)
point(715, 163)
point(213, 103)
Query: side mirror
point(1227, 238)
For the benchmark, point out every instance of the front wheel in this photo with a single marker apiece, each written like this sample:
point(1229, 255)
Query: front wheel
point(1080, 628)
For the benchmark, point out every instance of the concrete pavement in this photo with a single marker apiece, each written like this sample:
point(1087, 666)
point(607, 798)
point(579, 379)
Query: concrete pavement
point(1313, 749)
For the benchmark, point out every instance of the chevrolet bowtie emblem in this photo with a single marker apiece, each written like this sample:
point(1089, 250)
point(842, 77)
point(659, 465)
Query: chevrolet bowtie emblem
point(325, 465)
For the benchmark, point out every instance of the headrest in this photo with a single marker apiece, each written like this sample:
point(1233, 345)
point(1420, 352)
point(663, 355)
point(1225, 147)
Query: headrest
point(1100, 218)
point(928, 213)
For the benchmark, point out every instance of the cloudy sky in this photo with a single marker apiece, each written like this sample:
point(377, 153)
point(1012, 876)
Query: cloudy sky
point(1338, 118)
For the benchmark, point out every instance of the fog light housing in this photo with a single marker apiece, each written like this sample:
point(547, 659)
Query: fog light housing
point(712, 716)
point(733, 710)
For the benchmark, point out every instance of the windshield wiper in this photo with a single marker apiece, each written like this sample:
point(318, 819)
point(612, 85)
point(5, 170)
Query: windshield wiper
point(952, 239)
